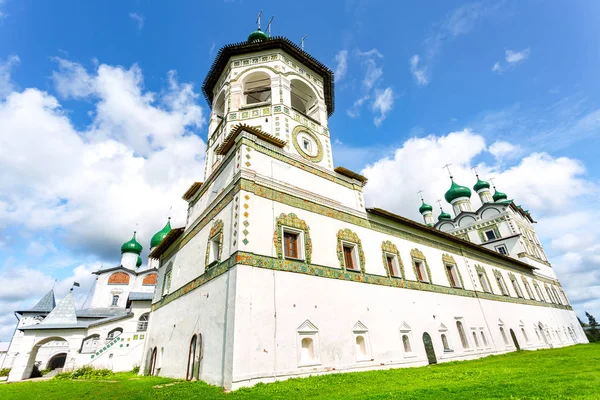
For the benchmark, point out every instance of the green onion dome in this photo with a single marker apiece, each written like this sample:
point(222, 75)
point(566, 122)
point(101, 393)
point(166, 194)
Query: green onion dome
point(160, 235)
point(138, 263)
point(257, 36)
point(425, 207)
point(444, 216)
point(456, 191)
point(481, 185)
point(499, 196)
point(132, 246)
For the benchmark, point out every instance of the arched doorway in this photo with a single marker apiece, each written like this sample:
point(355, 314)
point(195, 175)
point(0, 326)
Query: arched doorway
point(429, 350)
point(152, 362)
point(29, 368)
point(57, 361)
point(191, 359)
point(514, 339)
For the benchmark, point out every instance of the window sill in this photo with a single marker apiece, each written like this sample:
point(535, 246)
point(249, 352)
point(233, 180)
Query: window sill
point(353, 270)
point(294, 259)
point(410, 355)
point(448, 351)
point(254, 105)
point(313, 364)
point(424, 281)
point(212, 264)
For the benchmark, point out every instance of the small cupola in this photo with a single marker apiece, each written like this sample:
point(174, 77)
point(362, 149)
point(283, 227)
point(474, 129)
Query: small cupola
point(160, 235)
point(499, 196)
point(132, 246)
point(257, 36)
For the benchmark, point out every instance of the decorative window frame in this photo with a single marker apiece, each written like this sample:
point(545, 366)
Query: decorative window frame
point(294, 224)
point(308, 330)
point(468, 346)
point(167, 278)
point(405, 329)
point(359, 329)
point(479, 269)
point(527, 288)
point(524, 332)
point(477, 344)
point(318, 157)
point(503, 333)
point(484, 338)
point(503, 288)
point(417, 256)
point(389, 248)
point(515, 282)
point(504, 247)
point(216, 232)
point(539, 292)
point(448, 260)
point(482, 231)
point(443, 330)
point(349, 237)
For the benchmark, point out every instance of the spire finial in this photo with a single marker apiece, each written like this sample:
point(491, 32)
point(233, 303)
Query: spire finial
point(302, 41)
point(269, 26)
point(134, 233)
point(258, 19)
point(475, 170)
point(439, 201)
point(420, 193)
point(447, 166)
point(493, 184)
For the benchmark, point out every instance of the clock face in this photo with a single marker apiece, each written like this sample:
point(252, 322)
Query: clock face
point(307, 144)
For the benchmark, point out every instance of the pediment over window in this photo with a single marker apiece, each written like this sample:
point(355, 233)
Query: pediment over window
point(404, 327)
point(307, 327)
point(359, 327)
point(442, 328)
point(521, 323)
point(500, 322)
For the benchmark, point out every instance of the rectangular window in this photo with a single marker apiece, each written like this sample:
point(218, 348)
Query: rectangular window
point(306, 145)
point(115, 300)
point(290, 244)
point(502, 250)
point(453, 274)
point(517, 288)
point(539, 293)
point(392, 265)
point(167, 282)
point(484, 282)
point(490, 235)
point(501, 285)
point(421, 271)
point(349, 259)
point(214, 244)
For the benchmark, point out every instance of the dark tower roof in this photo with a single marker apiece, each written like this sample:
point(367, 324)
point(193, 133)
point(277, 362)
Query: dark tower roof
point(46, 304)
point(277, 42)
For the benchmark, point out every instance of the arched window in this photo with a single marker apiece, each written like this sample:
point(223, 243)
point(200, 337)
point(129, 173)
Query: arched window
point(307, 354)
point(361, 346)
point(142, 324)
point(149, 280)
point(475, 339)
point(192, 358)
point(115, 333)
point(219, 105)
point(406, 344)
point(445, 343)
point(484, 339)
point(90, 344)
point(303, 98)
point(525, 334)
point(257, 89)
point(166, 286)
point(118, 278)
point(463, 336)
point(504, 336)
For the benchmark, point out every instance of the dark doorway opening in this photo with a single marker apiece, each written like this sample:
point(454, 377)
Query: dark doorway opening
point(429, 350)
point(514, 338)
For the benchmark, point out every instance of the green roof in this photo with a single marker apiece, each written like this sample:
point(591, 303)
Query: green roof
point(444, 216)
point(132, 246)
point(456, 191)
point(138, 263)
point(481, 185)
point(257, 36)
point(160, 235)
point(499, 196)
point(425, 207)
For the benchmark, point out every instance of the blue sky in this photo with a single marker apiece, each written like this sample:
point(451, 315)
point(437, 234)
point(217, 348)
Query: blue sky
point(510, 88)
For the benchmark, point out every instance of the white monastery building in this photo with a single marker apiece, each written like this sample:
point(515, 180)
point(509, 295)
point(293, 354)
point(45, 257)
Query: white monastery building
point(281, 271)
point(108, 334)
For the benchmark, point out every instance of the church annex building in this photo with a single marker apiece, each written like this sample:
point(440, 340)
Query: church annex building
point(281, 271)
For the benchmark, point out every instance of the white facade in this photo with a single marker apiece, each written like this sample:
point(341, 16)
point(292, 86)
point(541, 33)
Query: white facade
point(237, 303)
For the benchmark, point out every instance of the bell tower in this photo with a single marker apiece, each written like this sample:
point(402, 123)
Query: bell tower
point(274, 87)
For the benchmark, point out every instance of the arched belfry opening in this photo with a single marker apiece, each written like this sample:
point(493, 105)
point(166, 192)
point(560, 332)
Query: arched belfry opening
point(257, 89)
point(303, 99)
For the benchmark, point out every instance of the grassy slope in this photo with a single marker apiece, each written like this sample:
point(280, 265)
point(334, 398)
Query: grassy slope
point(572, 372)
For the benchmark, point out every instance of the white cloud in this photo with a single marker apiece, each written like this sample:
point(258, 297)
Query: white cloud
point(383, 103)
point(382, 100)
point(341, 59)
point(6, 84)
point(548, 186)
point(138, 19)
point(503, 150)
point(512, 59)
point(460, 21)
point(418, 73)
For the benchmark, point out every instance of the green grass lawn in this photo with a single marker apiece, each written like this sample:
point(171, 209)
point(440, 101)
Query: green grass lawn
point(567, 373)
